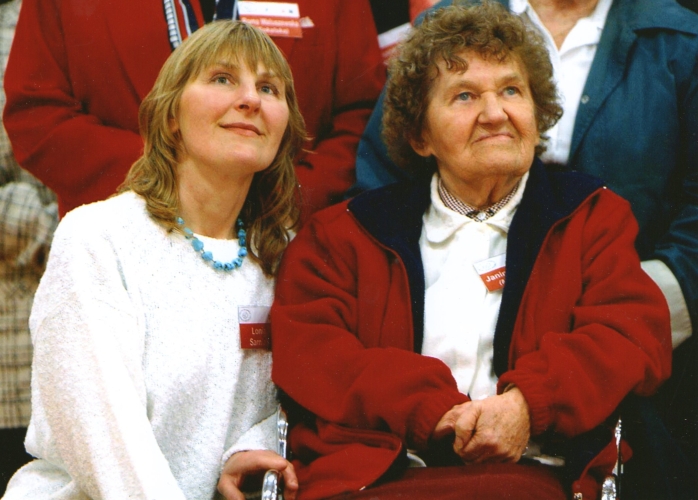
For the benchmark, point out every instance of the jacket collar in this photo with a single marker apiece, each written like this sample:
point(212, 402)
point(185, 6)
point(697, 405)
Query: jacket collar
point(393, 216)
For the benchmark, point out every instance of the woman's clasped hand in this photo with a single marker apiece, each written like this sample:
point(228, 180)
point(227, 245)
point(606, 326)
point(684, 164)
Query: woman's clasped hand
point(495, 429)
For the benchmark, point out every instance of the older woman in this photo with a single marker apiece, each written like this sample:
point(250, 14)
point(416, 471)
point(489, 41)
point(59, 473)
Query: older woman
point(151, 375)
point(393, 325)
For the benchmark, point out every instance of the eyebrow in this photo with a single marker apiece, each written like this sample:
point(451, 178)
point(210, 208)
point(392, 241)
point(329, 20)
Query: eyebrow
point(236, 67)
point(508, 78)
point(225, 65)
point(269, 75)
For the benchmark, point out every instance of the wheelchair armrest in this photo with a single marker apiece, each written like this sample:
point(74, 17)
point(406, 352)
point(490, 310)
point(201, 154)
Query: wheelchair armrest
point(610, 489)
point(282, 433)
point(272, 487)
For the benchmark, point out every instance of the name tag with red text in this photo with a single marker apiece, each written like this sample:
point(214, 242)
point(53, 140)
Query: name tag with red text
point(281, 19)
point(492, 272)
point(255, 330)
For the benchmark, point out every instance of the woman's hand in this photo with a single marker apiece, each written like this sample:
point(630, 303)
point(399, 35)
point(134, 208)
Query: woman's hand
point(495, 429)
point(251, 463)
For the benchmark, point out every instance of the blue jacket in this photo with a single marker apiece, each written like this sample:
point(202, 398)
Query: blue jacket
point(636, 128)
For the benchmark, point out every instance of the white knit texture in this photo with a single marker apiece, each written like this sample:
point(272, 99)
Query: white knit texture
point(139, 386)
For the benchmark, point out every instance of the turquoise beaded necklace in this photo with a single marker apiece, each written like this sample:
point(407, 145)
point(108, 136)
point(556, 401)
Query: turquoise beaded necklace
point(198, 246)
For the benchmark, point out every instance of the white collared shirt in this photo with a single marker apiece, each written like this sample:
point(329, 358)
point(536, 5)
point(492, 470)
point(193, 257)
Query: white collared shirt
point(460, 314)
point(571, 65)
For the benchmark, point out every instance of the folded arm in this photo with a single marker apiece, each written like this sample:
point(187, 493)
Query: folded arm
point(329, 360)
point(675, 269)
point(614, 340)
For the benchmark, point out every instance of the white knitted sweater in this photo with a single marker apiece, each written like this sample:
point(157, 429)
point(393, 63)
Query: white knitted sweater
point(139, 387)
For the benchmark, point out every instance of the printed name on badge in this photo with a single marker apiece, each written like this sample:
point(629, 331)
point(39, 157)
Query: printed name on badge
point(492, 272)
point(280, 19)
point(255, 330)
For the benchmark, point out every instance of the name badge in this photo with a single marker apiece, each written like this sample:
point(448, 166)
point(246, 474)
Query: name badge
point(492, 272)
point(280, 19)
point(255, 330)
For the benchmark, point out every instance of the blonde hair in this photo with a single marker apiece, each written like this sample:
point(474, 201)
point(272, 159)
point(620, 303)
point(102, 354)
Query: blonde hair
point(488, 30)
point(270, 210)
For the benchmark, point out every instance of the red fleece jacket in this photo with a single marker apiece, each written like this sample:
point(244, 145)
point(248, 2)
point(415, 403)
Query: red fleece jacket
point(591, 328)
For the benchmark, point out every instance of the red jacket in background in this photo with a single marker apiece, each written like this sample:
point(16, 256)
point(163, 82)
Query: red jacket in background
point(580, 327)
point(79, 70)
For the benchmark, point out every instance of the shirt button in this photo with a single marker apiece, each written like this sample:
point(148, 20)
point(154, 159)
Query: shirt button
point(584, 99)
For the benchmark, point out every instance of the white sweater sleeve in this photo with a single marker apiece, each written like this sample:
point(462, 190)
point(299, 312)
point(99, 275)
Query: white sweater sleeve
point(261, 436)
point(89, 396)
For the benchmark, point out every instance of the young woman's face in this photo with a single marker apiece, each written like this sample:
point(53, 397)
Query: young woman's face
point(232, 119)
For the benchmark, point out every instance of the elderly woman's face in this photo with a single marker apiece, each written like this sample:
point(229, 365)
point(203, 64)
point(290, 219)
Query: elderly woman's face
point(481, 122)
point(232, 118)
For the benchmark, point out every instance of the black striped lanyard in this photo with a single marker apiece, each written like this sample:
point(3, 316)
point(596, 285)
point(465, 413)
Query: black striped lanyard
point(180, 18)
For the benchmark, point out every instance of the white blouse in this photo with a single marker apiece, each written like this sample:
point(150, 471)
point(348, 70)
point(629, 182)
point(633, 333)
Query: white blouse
point(460, 314)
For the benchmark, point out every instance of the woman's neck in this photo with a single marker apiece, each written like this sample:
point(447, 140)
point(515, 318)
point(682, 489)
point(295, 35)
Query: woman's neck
point(211, 207)
point(560, 16)
point(483, 193)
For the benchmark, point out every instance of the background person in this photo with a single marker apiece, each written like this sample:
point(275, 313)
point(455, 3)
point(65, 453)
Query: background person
point(140, 385)
point(78, 72)
point(28, 217)
point(394, 329)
